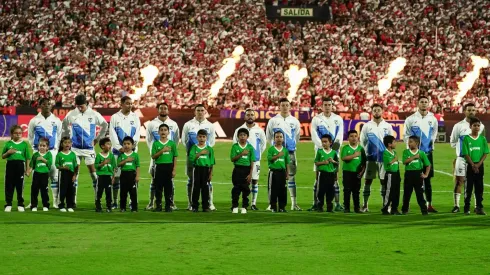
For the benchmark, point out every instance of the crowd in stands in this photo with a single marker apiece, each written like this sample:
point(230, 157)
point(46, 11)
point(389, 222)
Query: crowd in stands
point(97, 47)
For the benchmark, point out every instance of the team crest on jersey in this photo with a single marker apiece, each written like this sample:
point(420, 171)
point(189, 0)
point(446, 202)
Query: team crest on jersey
point(90, 119)
point(291, 125)
point(53, 123)
point(387, 131)
point(336, 122)
point(131, 122)
point(430, 123)
point(257, 135)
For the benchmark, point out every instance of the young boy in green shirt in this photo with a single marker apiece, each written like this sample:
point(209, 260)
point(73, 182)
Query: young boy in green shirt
point(105, 163)
point(327, 163)
point(414, 160)
point(41, 163)
point(164, 153)
point(202, 158)
point(18, 156)
point(392, 178)
point(66, 163)
point(278, 161)
point(242, 155)
point(129, 162)
point(475, 150)
point(354, 158)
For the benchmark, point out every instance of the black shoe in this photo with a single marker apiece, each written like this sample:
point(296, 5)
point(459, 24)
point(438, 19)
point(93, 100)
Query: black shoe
point(108, 210)
point(358, 211)
point(319, 209)
point(385, 212)
point(273, 210)
point(395, 212)
point(134, 210)
point(467, 213)
point(425, 213)
point(195, 210)
point(404, 212)
point(346, 210)
point(254, 208)
point(480, 211)
point(206, 210)
point(455, 209)
point(313, 208)
point(158, 209)
point(330, 210)
point(283, 210)
point(123, 210)
point(168, 209)
point(431, 209)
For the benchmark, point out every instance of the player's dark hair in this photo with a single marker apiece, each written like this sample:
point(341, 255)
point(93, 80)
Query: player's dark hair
point(468, 105)
point(387, 140)
point(376, 105)
point(327, 136)
point(423, 97)
point(161, 104)
point(326, 99)
point(202, 132)
point(13, 128)
point(352, 132)
point(63, 139)
point(80, 99)
point(45, 140)
point(104, 141)
point(283, 100)
point(199, 105)
point(244, 131)
point(128, 138)
point(42, 100)
point(124, 98)
point(474, 120)
point(163, 126)
point(415, 138)
point(278, 132)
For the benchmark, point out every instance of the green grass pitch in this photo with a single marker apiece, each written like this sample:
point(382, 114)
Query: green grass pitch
point(258, 242)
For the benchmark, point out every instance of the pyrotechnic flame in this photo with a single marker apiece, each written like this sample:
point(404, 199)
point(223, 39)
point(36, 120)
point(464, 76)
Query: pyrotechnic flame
point(396, 66)
point(149, 73)
point(229, 65)
point(295, 76)
point(470, 78)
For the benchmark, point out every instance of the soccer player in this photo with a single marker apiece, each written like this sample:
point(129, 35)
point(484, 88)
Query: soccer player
point(201, 157)
point(41, 163)
point(354, 158)
point(47, 125)
point(327, 123)
point(243, 157)
point(189, 138)
point(287, 124)
point(129, 162)
point(392, 177)
point(415, 162)
point(18, 156)
point(257, 139)
point(372, 135)
point(327, 163)
point(124, 123)
point(424, 125)
point(105, 164)
point(278, 161)
point(460, 130)
point(475, 151)
point(79, 124)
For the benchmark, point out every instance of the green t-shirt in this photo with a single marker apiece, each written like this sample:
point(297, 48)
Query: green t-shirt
point(323, 155)
point(69, 160)
point(475, 148)
point(107, 169)
point(417, 164)
point(130, 165)
point(248, 159)
point(40, 166)
point(23, 150)
point(387, 158)
point(279, 163)
point(166, 157)
point(205, 160)
point(355, 164)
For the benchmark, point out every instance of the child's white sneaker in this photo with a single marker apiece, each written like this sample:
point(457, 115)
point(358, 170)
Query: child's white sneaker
point(62, 209)
point(45, 209)
point(235, 210)
point(244, 210)
point(21, 209)
point(71, 210)
point(8, 209)
point(34, 209)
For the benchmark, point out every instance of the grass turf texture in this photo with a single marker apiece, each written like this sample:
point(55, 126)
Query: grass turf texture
point(261, 242)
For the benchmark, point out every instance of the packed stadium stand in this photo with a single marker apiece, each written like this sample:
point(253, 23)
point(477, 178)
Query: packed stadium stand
point(61, 48)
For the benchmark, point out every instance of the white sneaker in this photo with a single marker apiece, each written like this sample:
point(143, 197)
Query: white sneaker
point(34, 209)
point(174, 207)
point(71, 210)
point(45, 209)
point(244, 211)
point(55, 205)
point(62, 209)
point(28, 206)
point(235, 210)
point(296, 207)
point(212, 208)
point(364, 209)
point(268, 208)
point(8, 209)
point(189, 207)
point(21, 209)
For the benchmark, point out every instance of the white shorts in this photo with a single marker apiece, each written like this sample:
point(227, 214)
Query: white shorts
point(374, 168)
point(256, 170)
point(460, 167)
point(88, 155)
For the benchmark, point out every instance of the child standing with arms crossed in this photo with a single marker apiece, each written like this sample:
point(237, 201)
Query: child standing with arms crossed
point(326, 162)
point(66, 163)
point(354, 158)
point(475, 151)
point(243, 157)
point(164, 153)
point(278, 160)
point(105, 163)
point(41, 162)
point(392, 177)
point(18, 156)
point(414, 161)
point(129, 162)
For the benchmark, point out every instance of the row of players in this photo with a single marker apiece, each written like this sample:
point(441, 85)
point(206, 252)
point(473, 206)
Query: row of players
point(80, 125)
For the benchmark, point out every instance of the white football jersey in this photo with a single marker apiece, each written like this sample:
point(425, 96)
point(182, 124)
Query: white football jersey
point(152, 131)
point(332, 125)
point(189, 132)
point(41, 127)
point(81, 127)
point(460, 130)
point(371, 139)
point(256, 138)
point(426, 128)
point(290, 128)
point(122, 126)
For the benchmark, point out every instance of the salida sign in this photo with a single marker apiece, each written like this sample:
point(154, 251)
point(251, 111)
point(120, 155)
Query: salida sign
point(296, 12)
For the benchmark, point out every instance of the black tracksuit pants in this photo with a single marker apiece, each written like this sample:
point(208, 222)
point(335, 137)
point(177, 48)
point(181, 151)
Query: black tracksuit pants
point(326, 188)
point(14, 181)
point(128, 185)
point(411, 182)
point(200, 187)
point(39, 185)
point(352, 185)
point(240, 186)
point(277, 189)
point(163, 184)
point(473, 181)
point(391, 184)
point(104, 184)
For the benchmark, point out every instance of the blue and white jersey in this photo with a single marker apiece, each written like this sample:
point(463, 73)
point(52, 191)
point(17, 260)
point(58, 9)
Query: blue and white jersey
point(122, 126)
point(424, 127)
point(81, 127)
point(189, 132)
point(289, 126)
point(152, 131)
point(256, 138)
point(332, 125)
point(460, 130)
point(41, 127)
point(371, 139)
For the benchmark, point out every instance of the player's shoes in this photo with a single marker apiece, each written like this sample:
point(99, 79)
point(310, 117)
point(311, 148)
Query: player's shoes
point(149, 207)
point(254, 208)
point(269, 208)
point(455, 209)
point(319, 209)
point(207, 210)
point(108, 210)
point(174, 207)
point(234, 210)
point(425, 213)
point(396, 213)
point(312, 208)
point(21, 209)
point(55, 205)
point(431, 209)
point(45, 209)
point(34, 209)
point(8, 209)
point(123, 210)
point(212, 207)
point(195, 210)
point(296, 208)
point(385, 212)
point(273, 210)
point(364, 209)
point(62, 209)
point(467, 213)
point(114, 206)
point(480, 211)
point(189, 207)
point(346, 210)
point(71, 210)
point(338, 207)
point(158, 209)
point(98, 210)
point(283, 211)
point(244, 211)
